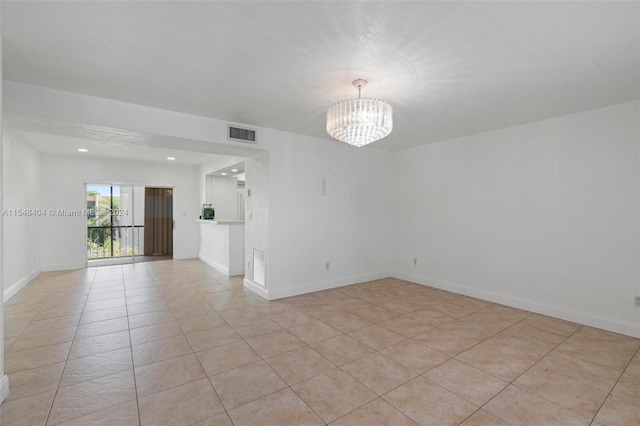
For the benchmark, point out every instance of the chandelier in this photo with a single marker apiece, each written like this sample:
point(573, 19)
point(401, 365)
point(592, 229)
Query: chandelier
point(359, 121)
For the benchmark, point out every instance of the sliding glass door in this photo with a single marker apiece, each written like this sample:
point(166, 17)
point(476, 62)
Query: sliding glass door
point(128, 221)
point(115, 221)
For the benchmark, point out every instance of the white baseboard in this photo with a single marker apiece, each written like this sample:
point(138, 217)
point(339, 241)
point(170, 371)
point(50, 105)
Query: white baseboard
point(67, 267)
point(13, 289)
point(215, 265)
point(4, 388)
point(281, 293)
point(256, 288)
point(610, 324)
point(182, 256)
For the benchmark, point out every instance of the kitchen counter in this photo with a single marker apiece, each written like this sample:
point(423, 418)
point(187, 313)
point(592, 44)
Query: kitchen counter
point(222, 245)
point(221, 222)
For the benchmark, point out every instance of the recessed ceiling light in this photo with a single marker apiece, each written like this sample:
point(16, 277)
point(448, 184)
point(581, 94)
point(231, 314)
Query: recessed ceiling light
point(83, 150)
point(234, 170)
point(171, 158)
point(223, 174)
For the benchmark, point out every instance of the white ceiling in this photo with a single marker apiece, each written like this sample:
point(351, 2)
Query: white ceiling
point(449, 69)
point(117, 149)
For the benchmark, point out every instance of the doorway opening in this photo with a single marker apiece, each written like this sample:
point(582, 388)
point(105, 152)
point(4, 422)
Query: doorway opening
point(128, 224)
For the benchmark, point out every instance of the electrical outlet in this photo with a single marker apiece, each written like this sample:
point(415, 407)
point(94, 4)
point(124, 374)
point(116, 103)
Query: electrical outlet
point(248, 265)
point(324, 189)
point(415, 260)
point(637, 302)
point(327, 266)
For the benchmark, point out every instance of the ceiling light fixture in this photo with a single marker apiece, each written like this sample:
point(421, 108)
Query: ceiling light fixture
point(171, 158)
point(234, 170)
point(359, 121)
point(83, 150)
point(223, 174)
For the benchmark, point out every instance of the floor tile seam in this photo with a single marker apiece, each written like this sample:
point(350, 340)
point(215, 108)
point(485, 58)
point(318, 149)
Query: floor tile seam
point(512, 382)
point(482, 341)
point(66, 360)
point(536, 328)
point(308, 405)
point(564, 374)
point(307, 378)
point(614, 386)
point(364, 343)
point(167, 388)
point(454, 393)
point(157, 323)
point(86, 414)
point(247, 402)
point(548, 349)
point(371, 390)
point(217, 396)
point(570, 409)
point(552, 345)
point(475, 368)
point(507, 383)
point(6, 401)
point(280, 353)
point(7, 349)
point(433, 383)
point(43, 310)
point(127, 306)
point(319, 341)
point(355, 359)
point(39, 347)
point(133, 366)
point(167, 359)
point(144, 342)
point(100, 320)
point(50, 404)
point(482, 407)
point(56, 328)
point(393, 331)
point(170, 359)
point(108, 332)
point(588, 360)
point(94, 378)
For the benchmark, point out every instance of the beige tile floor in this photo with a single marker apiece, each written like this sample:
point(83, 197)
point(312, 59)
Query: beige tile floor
point(176, 343)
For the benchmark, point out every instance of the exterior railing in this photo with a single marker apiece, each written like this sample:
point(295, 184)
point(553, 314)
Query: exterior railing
point(114, 241)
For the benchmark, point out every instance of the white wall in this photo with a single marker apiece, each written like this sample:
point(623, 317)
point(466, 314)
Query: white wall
point(256, 215)
point(543, 216)
point(210, 167)
point(223, 194)
point(21, 175)
point(349, 227)
point(4, 381)
point(81, 112)
point(62, 187)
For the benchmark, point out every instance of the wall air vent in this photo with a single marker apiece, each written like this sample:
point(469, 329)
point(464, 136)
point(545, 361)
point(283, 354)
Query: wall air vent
point(241, 135)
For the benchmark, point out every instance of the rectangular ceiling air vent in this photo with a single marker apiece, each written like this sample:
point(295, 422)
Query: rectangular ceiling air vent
point(241, 135)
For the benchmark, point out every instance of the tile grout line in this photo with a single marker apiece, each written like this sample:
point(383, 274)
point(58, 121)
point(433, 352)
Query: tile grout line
point(237, 293)
point(615, 384)
point(511, 383)
point(193, 351)
point(133, 366)
point(69, 353)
